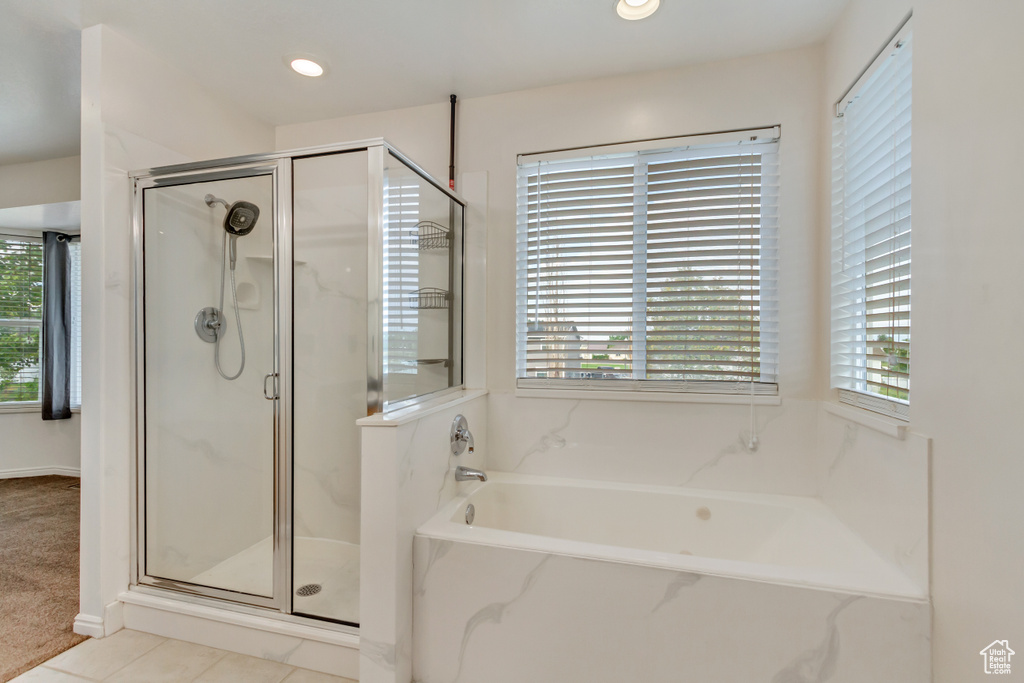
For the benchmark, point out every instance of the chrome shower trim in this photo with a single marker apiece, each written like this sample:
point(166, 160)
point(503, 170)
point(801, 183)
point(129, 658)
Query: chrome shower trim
point(219, 594)
point(211, 200)
point(302, 152)
point(282, 571)
point(279, 166)
point(283, 320)
point(375, 378)
point(335, 629)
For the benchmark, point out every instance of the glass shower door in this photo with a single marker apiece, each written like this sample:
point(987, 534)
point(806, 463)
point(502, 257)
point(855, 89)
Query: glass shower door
point(209, 315)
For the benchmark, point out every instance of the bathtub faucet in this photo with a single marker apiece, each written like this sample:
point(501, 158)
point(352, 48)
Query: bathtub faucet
point(468, 474)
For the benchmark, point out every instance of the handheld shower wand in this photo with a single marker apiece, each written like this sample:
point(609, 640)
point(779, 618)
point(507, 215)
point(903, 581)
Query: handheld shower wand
point(239, 221)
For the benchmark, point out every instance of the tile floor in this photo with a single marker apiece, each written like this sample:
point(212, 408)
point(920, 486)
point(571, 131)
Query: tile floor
point(136, 657)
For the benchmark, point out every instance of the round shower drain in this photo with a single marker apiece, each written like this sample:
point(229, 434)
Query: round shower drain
point(309, 589)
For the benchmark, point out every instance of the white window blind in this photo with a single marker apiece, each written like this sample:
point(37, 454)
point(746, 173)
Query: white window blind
point(21, 310)
point(76, 323)
point(401, 276)
point(871, 225)
point(650, 269)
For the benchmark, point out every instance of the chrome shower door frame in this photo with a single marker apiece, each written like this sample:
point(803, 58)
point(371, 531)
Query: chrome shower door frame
point(280, 171)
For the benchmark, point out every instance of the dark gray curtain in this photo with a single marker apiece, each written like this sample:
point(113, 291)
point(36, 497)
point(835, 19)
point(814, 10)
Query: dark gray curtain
point(56, 359)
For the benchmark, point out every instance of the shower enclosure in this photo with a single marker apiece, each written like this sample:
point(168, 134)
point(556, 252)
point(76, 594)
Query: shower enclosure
point(278, 299)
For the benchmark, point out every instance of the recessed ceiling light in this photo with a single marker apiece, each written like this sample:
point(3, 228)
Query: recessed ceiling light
point(636, 9)
point(307, 67)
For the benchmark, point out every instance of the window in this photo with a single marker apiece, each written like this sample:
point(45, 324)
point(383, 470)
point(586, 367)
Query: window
point(871, 220)
point(21, 320)
point(650, 266)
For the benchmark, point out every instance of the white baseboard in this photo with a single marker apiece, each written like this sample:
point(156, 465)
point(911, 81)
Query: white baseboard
point(89, 625)
point(113, 618)
point(40, 472)
point(110, 623)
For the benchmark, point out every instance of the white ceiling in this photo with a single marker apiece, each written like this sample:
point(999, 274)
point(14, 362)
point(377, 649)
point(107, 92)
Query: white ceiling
point(40, 93)
point(380, 54)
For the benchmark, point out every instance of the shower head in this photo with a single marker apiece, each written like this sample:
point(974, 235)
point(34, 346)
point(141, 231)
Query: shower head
point(241, 216)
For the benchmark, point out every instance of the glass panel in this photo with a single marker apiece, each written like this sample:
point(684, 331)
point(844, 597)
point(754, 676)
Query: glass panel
point(21, 312)
point(19, 363)
point(422, 286)
point(330, 244)
point(209, 452)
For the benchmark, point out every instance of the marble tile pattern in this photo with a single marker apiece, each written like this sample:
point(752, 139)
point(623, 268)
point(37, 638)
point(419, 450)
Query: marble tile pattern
point(132, 656)
point(330, 242)
point(502, 615)
point(878, 486)
point(408, 473)
point(683, 444)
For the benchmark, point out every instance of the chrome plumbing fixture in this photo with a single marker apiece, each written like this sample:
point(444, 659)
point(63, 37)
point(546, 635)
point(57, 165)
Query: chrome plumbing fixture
point(239, 221)
point(469, 474)
point(470, 513)
point(208, 324)
point(461, 436)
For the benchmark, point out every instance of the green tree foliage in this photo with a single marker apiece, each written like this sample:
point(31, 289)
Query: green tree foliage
point(895, 363)
point(21, 297)
point(710, 318)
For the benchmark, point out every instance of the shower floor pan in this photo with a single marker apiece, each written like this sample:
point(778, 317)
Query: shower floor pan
point(334, 565)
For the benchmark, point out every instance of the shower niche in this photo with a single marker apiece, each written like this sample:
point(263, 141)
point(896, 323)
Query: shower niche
point(278, 299)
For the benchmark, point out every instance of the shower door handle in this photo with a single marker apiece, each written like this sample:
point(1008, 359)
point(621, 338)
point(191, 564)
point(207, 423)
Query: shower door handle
point(270, 397)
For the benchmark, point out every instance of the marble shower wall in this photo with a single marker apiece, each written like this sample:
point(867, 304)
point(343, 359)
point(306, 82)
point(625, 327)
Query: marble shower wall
point(677, 444)
point(407, 475)
point(502, 615)
point(330, 242)
point(878, 485)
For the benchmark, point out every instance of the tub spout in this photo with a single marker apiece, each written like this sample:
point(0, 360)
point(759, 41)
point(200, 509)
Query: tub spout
point(468, 474)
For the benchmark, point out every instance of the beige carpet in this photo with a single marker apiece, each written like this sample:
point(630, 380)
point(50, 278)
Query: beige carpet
point(38, 570)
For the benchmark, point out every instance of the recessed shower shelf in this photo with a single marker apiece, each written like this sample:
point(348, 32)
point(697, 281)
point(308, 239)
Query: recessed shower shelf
point(430, 298)
point(433, 235)
point(261, 258)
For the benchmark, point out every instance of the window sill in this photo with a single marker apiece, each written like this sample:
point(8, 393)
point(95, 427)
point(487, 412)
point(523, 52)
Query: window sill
point(889, 426)
point(29, 408)
point(651, 396)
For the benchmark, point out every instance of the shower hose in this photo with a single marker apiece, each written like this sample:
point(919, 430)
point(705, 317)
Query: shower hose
point(238, 318)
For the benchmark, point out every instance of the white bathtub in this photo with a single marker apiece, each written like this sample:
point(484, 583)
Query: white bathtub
point(788, 540)
point(625, 582)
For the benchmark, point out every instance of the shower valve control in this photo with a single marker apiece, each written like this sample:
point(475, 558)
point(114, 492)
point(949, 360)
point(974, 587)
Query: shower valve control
point(207, 324)
point(461, 436)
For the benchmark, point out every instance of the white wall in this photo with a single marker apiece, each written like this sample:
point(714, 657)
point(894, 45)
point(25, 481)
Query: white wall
point(31, 445)
point(137, 112)
point(40, 182)
point(968, 66)
point(781, 88)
